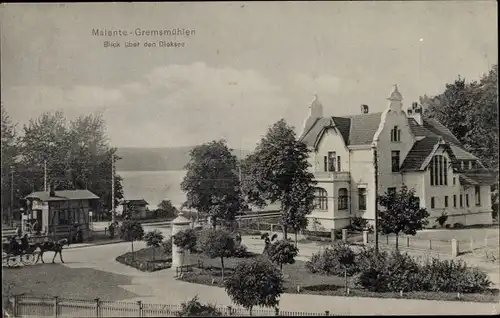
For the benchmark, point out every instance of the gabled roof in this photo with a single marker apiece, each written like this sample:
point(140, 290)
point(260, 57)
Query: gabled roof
point(63, 195)
point(477, 178)
point(136, 201)
point(422, 151)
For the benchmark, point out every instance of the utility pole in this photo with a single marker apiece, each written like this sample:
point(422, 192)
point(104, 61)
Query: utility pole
point(12, 191)
point(45, 175)
point(113, 213)
point(375, 164)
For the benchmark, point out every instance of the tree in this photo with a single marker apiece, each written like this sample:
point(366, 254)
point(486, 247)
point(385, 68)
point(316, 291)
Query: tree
point(211, 182)
point(9, 154)
point(194, 308)
point(402, 213)
point(153, 239)
point(282, 252)
point(278, 172)
point(186, 240)
point(256, 282)
point(131, 231)
point(166, 209)
point(217, 244)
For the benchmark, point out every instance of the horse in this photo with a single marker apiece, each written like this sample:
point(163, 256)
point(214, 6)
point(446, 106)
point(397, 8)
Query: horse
point(51, 246)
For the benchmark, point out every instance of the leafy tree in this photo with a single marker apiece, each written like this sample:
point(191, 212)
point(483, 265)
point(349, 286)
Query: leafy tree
point(402, 213)
point(131, 231)
point(186, 240)
point(166, 209)
point(194, 308)
point(278, 172)
point(282, 252)
point(217, 244)
point(256, 282)
point(9, 153)
point(211, 182)
point(153, 239)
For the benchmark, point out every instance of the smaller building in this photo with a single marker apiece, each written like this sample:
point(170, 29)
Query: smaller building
point(58, 212)
point(135, 209)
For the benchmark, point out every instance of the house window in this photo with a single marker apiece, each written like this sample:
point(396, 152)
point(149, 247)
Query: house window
point(391, 190)
point(395, 161)
point(433, 203)
point(331, 161)
point(342, 199)
point(362, 198)
point(439, 170)
point(325, 163)
point(320, 199)
point(478, 195)
point(467, 199)
point(395, 134)
point(461, 201)
point(445, 201)
point(454, 180)
point(454, 200)
point(338, 162)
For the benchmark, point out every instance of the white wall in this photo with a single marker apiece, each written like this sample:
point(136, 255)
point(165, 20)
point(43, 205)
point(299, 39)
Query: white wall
point(362, 175)
point(331, 141)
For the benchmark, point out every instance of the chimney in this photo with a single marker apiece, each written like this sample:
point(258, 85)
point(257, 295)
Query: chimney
point(415, 112)
point(52, 193)
point(364, 109)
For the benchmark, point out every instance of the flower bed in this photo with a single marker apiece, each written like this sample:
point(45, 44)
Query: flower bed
point(145, 261)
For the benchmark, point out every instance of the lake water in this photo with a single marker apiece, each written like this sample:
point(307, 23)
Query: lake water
point(153, 186)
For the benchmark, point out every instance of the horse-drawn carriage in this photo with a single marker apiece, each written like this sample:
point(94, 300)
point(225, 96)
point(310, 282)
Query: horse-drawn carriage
point(28, 248)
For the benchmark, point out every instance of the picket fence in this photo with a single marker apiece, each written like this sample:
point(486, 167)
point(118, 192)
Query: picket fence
point(27, 306)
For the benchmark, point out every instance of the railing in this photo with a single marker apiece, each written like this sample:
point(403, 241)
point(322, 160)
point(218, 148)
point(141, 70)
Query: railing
point(333, 175)
point(24, 306)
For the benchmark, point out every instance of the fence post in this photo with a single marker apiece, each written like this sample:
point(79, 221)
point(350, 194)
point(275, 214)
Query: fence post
point(56, 304)
point(327, 313)
point(15, 306)
point(344, 235)
point(332, 233)
point(229, 311)
point(407, 241)
point(387, 239)
point(454, 248)
point(430, 244)
point(97, 307)
point(277, 311)
point(141, 312)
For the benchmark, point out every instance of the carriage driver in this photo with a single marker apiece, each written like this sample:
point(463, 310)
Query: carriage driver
point(14, 245)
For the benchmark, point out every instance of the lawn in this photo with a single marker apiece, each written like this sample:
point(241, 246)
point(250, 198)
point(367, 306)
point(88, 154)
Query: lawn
point(58, 280)
point(296, 275)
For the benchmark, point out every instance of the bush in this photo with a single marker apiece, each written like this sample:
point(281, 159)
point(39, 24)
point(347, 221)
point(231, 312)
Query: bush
point(167, 246)
point(241, 251)
point(384, 272)
point(358, 224)
point(447, 226)
point(452, 276)
point(194, 308)
point(282, 252)
point(153, 239)
point(458, 226)
point(442, 219)
point(330, 261)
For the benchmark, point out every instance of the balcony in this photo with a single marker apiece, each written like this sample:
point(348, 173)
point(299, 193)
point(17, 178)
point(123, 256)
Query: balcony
point(332, 176)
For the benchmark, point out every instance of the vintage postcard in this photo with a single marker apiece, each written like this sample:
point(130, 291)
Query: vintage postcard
point(249, 158)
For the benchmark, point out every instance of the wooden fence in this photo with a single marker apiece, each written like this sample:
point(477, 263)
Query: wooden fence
point(24, 306)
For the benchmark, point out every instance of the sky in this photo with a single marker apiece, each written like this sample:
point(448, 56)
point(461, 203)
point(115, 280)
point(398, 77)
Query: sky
point(246, 66)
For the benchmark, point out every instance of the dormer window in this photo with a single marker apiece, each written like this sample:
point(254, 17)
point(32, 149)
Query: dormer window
point(395, 134)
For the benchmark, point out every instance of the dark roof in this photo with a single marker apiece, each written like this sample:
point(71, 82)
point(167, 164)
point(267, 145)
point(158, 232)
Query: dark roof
point(418, 153)
point(437, 128)
point(478, 178)
point(363, 128)
point(63, 195)
point(136, 201)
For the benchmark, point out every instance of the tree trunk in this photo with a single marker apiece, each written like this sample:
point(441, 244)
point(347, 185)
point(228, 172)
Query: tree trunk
point(281, 266)
point(296, 238)
point(133, 255)
point(345, 279)
point(285, 232)
point(222, 264)
point(397, 240)
point(250, 310)
point(154, 248)
point(214, 223)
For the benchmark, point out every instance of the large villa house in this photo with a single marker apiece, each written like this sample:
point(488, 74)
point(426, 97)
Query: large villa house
point(419, 153)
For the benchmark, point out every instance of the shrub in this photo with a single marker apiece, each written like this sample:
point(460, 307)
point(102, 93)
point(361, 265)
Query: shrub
point(167, 246)
point(442, 219)
point(194, 308)
point(282, 252)
point(255, 282)
point(331, 261)
point(217, 244)
point(452, 276)
point(131, 231)
point(458, 225)
point(387, 272)
point(358, 224)
point(242, 252)
point(447, 226)
point(185, 240)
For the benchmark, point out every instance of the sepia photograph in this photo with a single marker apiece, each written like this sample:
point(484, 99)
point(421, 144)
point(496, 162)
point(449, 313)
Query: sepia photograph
point(299, 158)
